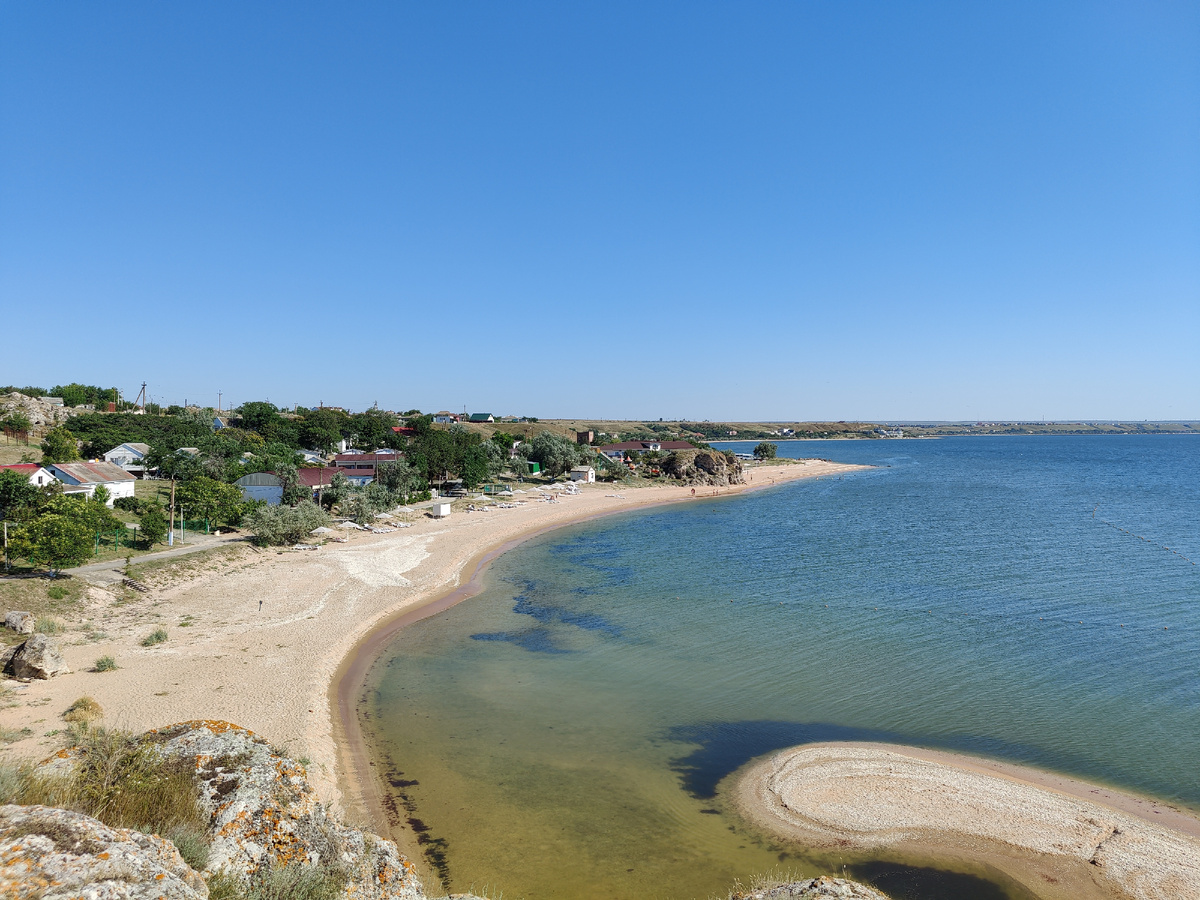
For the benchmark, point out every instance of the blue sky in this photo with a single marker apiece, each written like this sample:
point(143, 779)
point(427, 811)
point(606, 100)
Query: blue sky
point(792, 210)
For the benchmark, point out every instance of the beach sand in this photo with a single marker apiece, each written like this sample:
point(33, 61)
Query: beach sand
point(280, 641)
point(1059, 837)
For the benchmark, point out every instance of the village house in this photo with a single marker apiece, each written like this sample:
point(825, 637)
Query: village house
point(37, 475)
point(359, 468)
point(585, 474)
point(618, 451)
point(316, 480)
point(445, 417)
point(85, 477)
point(129, 457)
point(482, 418)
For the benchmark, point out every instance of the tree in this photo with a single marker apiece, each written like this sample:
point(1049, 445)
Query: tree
point(16, 424)
point(475, 467)
point(207, 498)
point(321, 429)
point(373, 429)
point(398, 478)
point(765, 450)
point(554, 452)
point(59, 445)
point(277, 525)
point(153, 525)
point(100, 495)
point(15, 493)
point(53, 541)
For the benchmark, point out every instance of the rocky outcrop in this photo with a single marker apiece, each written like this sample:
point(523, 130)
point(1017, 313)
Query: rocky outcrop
point(55, 854)
point(264, 812)
point(703, 467)
point(41, 414)
point(38, 657)
point(20, 622)
point(823, 888)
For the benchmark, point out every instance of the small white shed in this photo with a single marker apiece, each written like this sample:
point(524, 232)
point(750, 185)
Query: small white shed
point(441, 509)
point(583, 473)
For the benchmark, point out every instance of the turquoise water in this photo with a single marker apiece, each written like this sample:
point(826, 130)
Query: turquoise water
point(565, 733)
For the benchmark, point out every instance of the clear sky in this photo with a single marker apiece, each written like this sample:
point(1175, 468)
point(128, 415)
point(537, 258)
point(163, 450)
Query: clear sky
point(800, 210)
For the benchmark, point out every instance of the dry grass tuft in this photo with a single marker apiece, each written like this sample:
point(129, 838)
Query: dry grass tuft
point(84, 710)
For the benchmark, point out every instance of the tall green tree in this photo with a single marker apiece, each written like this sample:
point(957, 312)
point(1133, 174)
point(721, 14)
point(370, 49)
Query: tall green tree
point(765, 450)
point(59, 445)
point(206, 498)
point(54, 541)
point(15, 493)
point(153, 525)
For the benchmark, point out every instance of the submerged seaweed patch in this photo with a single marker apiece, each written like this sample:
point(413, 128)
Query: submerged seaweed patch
point(535, 640)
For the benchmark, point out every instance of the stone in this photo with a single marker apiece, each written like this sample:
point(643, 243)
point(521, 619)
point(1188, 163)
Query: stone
point(6, 656)
point(264, 812)
point(38, 657)
point(56, 854)
point(823, 888)
point(20, 622)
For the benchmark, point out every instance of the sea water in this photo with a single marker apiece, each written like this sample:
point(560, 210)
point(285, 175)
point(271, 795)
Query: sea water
point(566, 733)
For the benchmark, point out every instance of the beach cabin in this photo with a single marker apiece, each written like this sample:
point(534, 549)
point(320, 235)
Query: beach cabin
point(585, 474)
point(85, 477)
point(440, 509)
point(261, 486)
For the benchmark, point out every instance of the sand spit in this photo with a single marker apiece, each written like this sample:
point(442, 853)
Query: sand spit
point(1060, 837)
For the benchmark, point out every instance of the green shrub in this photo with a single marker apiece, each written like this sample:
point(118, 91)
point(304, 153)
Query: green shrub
point(105, 664)
point(56, 592)
point(129, 504)
point(157, 636)
point(279, 525)
point(47, 625)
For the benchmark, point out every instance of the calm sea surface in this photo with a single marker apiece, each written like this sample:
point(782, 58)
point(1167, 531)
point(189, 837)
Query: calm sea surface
point(565, 733)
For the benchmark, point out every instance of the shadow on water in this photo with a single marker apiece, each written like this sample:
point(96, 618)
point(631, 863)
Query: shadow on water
point(724, 747)
point(901, 882)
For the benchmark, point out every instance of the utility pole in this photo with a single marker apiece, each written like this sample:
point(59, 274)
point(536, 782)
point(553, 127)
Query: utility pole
point(218, 403)
point(171, 530)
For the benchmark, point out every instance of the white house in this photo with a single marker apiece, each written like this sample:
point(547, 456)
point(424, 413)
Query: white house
point(583, 473)
point(128, 456)
point(261, 486)
point(37, 475)
point(312, 456)
point(440, 509)
point(87, 476)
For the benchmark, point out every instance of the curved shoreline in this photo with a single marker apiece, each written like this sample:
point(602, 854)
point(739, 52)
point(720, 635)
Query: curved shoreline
point(359, 787)
point(1057, 835)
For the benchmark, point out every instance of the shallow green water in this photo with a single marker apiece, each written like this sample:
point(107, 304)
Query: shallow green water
point(565, 733)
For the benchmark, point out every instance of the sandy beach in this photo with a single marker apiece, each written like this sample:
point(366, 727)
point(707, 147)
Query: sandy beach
point(1059, 837)
point(280, 641)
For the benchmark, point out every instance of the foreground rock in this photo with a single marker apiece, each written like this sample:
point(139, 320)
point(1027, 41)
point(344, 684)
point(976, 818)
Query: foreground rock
point(19, 621)
point(264, 812)
point(55, 854)
point(38, 657)
point(823, 888)
point(703, 467)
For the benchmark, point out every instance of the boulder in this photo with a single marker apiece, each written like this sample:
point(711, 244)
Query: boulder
point(6, 656)
point(823, 888)
point(264, 812)
point(55, 854)
point(20, 622)
point(38, 657)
